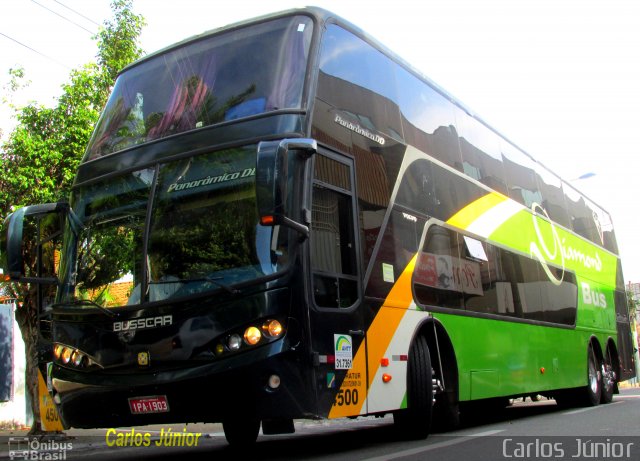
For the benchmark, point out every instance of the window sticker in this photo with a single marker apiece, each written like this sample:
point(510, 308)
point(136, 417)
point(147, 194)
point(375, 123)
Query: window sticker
point(387, 273)
point(344, 351)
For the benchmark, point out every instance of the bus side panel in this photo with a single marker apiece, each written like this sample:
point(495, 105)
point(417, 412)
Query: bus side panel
point(518, 358)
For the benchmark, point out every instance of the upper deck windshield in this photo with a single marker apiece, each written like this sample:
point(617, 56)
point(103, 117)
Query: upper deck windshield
point(243, 72)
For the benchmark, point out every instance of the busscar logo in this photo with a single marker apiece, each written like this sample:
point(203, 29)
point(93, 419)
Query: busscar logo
point(143, 323)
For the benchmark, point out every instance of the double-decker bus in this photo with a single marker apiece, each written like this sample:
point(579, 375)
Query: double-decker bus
point(281, 219)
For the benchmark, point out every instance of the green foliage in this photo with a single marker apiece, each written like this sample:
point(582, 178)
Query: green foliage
point(632, 304)
point(41, 155)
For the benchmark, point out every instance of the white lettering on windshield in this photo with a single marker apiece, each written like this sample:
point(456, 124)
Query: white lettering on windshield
point(246, 173)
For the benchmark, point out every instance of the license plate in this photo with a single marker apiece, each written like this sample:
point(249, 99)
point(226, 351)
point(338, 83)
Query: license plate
point(152, 404)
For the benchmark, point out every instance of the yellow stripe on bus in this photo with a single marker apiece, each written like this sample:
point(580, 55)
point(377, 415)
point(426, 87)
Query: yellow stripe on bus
point(379, 335)
point(465, 217)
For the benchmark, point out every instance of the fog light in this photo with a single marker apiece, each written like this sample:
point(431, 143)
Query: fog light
point(252, 336)
point(273, 328)
point(234, 342)
point(66, 355)
point(274, 381)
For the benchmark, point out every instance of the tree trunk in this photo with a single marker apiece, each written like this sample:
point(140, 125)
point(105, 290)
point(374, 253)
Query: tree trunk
point(27, 318)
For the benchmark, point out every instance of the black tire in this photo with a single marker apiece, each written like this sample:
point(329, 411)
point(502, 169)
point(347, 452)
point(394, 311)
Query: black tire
point(241, 432)
point(446, 414)
point(592, 392)
point(414, 422)
point(608, 383)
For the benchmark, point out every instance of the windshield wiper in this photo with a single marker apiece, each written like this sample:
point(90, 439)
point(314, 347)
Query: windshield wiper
point(214, 280)
point(88, 302)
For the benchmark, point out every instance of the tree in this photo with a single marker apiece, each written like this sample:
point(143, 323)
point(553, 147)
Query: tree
point(41, 155)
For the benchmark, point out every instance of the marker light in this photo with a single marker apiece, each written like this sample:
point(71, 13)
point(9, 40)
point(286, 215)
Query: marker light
point(252, 336)
point(274, 381)
point(267, 220)
point(386, 378)
point(219, 349)
point(234, 342)
point(273, 328)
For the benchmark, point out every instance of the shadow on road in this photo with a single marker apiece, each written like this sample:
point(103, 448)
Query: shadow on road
point(342, 439)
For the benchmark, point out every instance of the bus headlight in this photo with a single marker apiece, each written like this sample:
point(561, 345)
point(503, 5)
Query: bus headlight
point(234, 342)
point(273, 328)
point(77, 358)
point(57, 351)
point(66, 355)
point(252, 336)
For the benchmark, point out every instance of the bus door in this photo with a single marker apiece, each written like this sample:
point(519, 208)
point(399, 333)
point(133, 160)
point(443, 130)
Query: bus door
point(336, 321)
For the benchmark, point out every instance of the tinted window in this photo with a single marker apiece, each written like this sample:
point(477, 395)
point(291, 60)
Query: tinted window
point(332, 239)
point(417, 190)
point(481, 157)
point(458, 271)
point(220, 78)
point(428, 119)
point(436, 278)
point(589, 220)
point(520, 175)
point(399, 244)
point(553, 200)
point(433, 190)
point(370, 98)
point(204, 228)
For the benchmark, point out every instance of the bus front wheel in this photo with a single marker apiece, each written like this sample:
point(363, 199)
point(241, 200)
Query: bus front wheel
point(414, 422)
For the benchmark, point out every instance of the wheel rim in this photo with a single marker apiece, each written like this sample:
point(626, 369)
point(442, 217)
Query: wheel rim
point(607, 379)
point(594, 374)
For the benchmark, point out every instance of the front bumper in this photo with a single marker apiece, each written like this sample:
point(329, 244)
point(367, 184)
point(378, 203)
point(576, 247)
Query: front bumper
point(202, 393)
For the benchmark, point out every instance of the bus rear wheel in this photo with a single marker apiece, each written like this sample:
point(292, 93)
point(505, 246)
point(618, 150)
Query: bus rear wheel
point(241, 432)
point(592, 393)
point(414, 422)
point(608, 378)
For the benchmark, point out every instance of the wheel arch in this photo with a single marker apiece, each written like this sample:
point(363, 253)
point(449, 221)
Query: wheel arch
point(443, 356)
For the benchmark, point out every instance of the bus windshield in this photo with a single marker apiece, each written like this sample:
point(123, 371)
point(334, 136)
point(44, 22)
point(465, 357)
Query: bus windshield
point(236, 74)
point(200, 234)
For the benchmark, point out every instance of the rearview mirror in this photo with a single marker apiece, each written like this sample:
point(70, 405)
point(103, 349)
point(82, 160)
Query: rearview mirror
point(276, 167)
point(29, 240)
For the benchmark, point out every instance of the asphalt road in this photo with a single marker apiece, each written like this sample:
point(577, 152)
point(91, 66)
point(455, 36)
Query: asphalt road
point(526, 430)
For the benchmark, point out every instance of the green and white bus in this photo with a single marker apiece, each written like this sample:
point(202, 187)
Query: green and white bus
point(281, 219)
